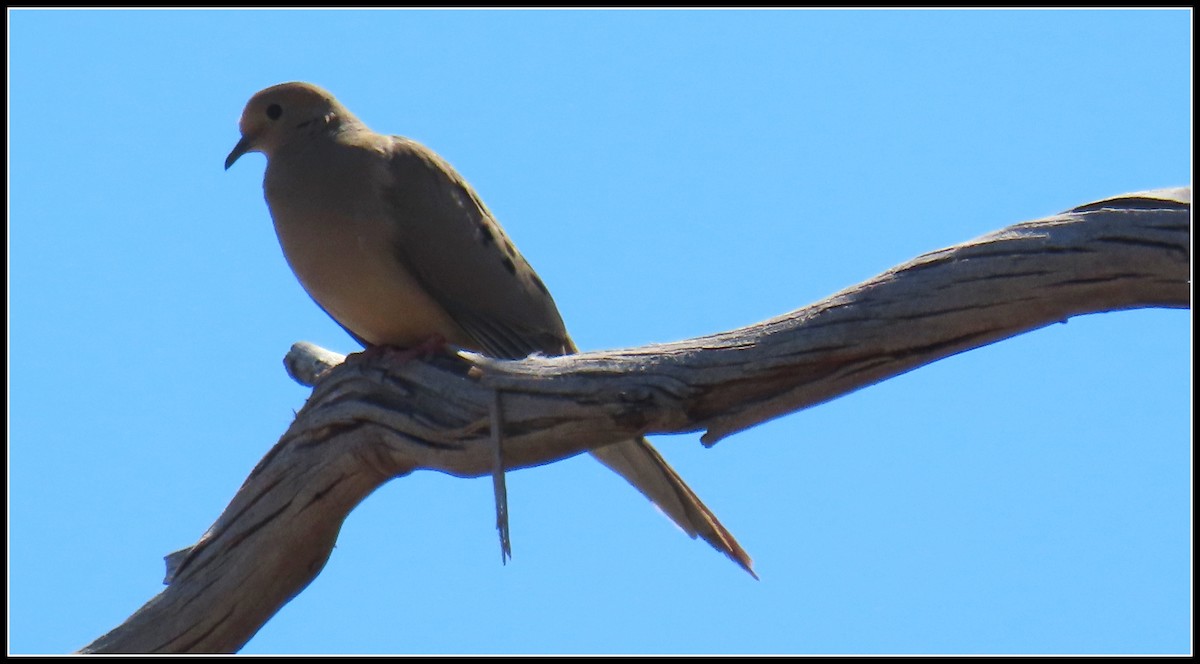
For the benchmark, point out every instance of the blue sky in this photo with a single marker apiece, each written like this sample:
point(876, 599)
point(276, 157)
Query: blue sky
point(669, 174)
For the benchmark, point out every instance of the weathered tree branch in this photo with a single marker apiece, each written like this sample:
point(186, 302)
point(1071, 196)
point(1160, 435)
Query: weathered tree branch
point(367, 422)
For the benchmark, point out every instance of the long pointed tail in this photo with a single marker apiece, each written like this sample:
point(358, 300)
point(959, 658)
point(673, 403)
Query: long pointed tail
point(639, 463)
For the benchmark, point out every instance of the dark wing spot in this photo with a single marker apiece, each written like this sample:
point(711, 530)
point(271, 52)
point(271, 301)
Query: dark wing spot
point(485, 234)
point(538, 282)
point(508, 265)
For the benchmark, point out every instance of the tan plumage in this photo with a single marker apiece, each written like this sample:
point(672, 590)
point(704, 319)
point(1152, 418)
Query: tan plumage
point(397, 248)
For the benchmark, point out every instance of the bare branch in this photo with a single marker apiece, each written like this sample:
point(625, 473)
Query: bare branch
point(367, 422)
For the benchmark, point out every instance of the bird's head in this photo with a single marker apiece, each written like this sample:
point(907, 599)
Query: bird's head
point(278, 114)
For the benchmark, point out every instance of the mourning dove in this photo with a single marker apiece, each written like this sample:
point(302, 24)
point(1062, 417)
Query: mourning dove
point(397, 248)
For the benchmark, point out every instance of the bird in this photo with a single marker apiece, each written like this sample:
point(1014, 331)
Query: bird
point(394, 245)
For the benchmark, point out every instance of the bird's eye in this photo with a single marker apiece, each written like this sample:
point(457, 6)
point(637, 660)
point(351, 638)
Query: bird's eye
point(274, 111)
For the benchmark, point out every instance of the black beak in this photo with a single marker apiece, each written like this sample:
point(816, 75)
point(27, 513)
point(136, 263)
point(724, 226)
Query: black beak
point(242, 147)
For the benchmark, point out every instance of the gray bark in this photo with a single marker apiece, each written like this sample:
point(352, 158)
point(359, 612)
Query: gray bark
point(368, 421)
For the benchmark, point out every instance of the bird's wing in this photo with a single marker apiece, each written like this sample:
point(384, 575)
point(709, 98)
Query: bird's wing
point(462, 257)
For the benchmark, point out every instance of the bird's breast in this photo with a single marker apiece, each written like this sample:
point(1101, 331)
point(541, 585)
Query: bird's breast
point(347, 261)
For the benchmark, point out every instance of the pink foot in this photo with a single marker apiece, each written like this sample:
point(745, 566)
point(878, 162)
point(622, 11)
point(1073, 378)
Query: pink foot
point(433, 345)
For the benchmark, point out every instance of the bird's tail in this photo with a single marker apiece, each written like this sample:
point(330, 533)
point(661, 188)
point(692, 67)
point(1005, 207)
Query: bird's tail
point(639, 463)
